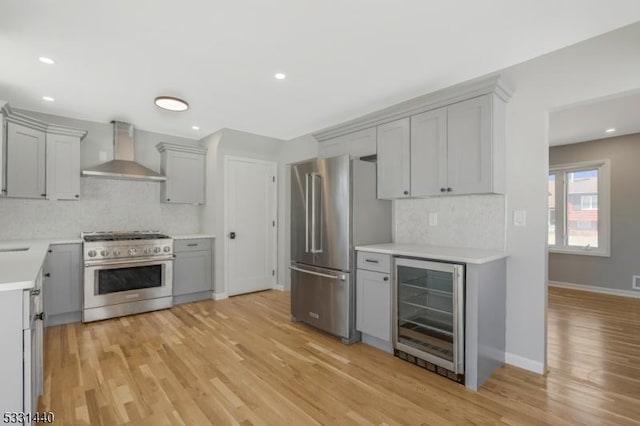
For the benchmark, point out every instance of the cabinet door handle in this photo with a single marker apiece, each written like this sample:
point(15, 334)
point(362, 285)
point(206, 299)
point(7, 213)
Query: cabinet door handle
point(406, 192)
point(77, 195)
point(35, 292)
point(372, 261)
point(43, 195)
point(449, 189)
point(443, 190)
point(192, 245)
point(385, 279)
point(47, 274)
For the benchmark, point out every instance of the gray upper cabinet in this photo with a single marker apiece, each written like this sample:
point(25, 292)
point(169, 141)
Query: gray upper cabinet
point(25, 162)
point(457, 149)
point(394, 159)
point(63, 167)
point(475, 136)
point(358, 144)
point(63, 282)
point(429, 153)
point(40, 160)
point(184, 167)
point(448, 142)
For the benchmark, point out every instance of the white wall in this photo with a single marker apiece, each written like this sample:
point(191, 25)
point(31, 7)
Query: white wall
point(105, 204)
point(220, 144)
point(293, 151)
point(595, 68)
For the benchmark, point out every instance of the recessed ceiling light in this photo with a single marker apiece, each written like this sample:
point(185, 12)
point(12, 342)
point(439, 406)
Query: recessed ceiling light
point(611, 130)
point(46, 60)
point(48, 98)
point(280, 76)
point(172, 104)
point(195, 127)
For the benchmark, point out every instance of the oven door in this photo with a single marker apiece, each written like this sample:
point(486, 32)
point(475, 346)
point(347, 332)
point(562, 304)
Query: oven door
point(111, 283)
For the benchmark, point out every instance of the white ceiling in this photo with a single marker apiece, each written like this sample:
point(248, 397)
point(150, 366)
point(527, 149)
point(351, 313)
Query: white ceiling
point(342, 58)
point(590, 120)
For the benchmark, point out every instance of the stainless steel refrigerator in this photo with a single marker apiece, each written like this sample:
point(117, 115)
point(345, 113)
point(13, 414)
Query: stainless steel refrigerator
point(333, 208)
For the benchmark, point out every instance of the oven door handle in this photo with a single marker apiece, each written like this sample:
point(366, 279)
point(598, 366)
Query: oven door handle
point(129, 262)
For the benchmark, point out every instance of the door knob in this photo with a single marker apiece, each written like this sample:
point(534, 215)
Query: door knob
point(232, 235)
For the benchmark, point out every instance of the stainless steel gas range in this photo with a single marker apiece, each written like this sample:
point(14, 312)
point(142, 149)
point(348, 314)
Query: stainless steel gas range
point(126, 273)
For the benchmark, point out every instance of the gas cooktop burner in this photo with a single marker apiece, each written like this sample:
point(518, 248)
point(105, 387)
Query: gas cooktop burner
point(123, 236)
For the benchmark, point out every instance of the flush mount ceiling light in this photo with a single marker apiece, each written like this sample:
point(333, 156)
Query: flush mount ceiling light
point(48, 98)
point(611, 130)
point(46, 60)
point(280, 76)
point(172, 104)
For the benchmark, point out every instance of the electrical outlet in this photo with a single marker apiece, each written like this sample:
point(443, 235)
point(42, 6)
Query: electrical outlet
point(636, 282)
point(433, 219)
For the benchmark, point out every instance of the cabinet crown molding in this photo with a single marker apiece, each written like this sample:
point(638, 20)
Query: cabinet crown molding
point(167, 146)
point(430, 101)
point(18, 118)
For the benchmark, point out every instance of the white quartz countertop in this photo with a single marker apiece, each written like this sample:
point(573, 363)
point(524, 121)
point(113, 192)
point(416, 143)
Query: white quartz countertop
point(19, 269)
point(192, 236)
point(463, 255)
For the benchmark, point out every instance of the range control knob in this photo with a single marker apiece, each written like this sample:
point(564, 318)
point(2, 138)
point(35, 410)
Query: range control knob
point(132, 252)
point(104, 252)
point(116, 252)
point(147, 250)
point(157, 250)
point(92, 253)
point(166, 249)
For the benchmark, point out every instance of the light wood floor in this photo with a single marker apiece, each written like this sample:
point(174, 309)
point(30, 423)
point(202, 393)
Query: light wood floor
point(241, 361)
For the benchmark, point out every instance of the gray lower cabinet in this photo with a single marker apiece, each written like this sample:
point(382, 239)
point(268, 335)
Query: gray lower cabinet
point(374, 299)
point(192, 270)
point(21, 358)
point(63, 284)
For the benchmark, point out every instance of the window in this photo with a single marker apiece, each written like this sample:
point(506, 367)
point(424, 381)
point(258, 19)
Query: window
point(578, 212)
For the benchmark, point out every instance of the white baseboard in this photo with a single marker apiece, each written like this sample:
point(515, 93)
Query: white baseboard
point(278, 287)
point(525, 363)
point(596, 289)
point(220, 296)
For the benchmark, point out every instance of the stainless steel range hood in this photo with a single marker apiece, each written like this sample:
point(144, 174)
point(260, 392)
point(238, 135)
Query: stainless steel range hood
point(123, 165)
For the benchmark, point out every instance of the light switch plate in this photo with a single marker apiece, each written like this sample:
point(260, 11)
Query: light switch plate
point(519, 218)
point(433, 219)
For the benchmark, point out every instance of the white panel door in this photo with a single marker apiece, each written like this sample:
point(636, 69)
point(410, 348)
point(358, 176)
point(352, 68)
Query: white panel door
point(469, 146)
point(25, 162)
point(429, 153)
point(63, 167)
point(250, 225)
point(394, 156)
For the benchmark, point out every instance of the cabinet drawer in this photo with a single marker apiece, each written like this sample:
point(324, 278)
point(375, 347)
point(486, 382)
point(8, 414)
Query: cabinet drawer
point(374, 261)
point(191, 245)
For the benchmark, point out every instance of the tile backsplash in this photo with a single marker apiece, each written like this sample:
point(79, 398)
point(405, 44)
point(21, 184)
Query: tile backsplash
point(105, 205)
point(472, 221)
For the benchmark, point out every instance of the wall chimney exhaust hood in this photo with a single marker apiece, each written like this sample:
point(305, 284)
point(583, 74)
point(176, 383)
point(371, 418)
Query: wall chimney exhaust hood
point(123, 165)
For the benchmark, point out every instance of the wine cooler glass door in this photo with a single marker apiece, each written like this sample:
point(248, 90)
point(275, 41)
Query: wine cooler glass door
point(429, 306)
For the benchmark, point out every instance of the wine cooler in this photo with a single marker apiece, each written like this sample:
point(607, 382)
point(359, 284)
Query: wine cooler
point(429, 315)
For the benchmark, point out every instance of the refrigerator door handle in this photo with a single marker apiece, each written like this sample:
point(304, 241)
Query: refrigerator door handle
point(319, 274)
point(306, 212)
point(315, 177)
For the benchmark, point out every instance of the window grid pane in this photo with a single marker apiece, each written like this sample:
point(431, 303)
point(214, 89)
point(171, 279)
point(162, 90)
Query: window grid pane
point(582, 208)
point(551, 214)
